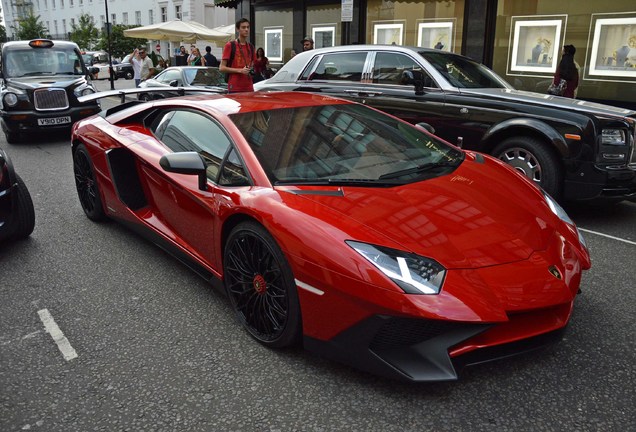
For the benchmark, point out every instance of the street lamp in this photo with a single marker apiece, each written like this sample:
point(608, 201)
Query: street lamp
point(110, 60)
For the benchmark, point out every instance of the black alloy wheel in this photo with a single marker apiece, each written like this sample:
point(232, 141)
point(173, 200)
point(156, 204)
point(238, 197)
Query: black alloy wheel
point(261, 287)
point(129, 75)
point(87, 189)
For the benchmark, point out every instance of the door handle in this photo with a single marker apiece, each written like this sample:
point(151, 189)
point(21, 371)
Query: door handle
point(362, 93)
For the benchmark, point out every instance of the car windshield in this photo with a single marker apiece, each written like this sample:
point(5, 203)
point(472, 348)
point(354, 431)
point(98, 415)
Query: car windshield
point(343, 144)
point(41, 61)
point(464, 73)
point(204, 77)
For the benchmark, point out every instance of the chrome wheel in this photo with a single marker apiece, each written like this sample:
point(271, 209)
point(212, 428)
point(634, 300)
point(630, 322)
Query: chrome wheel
point(523, 161)
point(535, 159)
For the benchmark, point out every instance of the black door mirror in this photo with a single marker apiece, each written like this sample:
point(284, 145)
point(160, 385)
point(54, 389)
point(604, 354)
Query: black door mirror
point(186, 163)
point(415, 78)
point(174, 83)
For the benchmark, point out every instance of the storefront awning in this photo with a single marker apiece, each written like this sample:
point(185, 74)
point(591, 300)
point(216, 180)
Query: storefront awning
point(226, 3)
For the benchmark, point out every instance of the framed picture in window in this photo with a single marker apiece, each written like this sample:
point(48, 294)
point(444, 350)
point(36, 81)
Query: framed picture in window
point(536, 44)
point(437, 35)
point(613, 53)
point(274, 44)
point(324, 35)
point(388, 34)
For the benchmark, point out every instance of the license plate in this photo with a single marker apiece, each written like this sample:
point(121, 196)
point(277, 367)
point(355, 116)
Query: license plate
point(52, 121)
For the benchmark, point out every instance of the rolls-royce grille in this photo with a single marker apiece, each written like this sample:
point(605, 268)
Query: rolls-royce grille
point(50, 99)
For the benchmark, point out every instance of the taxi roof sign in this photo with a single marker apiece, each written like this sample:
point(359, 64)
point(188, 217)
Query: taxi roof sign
point(41, 43)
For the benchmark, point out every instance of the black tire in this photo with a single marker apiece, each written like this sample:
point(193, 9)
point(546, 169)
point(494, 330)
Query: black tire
point(25, 221)
point(144, 97)
point(129, 75)
point(12, 137)
point(261, 287)
point(535, 160)
point(86, 184)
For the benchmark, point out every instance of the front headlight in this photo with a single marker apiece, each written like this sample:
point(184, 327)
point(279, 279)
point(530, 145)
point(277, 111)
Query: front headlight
point(83, 90)
point(10, 99)
point(413, 273)
point(613, 137)
point(558, 210)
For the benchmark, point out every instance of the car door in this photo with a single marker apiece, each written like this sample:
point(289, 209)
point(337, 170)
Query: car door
point(180, 204)
point(389, 91)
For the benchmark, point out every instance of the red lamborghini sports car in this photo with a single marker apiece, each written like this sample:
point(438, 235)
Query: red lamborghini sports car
point(331, 224)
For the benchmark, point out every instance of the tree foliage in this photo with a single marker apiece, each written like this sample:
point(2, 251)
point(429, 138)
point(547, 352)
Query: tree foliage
point(85, 34)
point(30, 28)
point(120, 45)
point(3, 33)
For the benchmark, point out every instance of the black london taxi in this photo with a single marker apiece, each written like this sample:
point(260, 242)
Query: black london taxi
point(40, 82)
point(575, 150)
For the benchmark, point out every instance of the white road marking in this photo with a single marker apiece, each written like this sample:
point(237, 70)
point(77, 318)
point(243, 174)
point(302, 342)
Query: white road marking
point(608, 236)
point(58, 337)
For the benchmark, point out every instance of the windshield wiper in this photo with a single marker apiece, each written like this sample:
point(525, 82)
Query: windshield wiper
point(419, 169)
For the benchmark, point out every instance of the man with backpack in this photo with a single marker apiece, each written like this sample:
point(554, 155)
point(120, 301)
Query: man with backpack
point(238, 60)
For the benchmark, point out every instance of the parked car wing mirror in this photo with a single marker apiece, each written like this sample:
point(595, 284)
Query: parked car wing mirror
point(427, 127)
point(415, 78)
point(174, 83)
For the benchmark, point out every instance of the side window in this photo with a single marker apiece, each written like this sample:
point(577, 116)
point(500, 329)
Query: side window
point(233, 172)
point(388, 69)
point(340, 67)
point(191, 131)
point(170, 75)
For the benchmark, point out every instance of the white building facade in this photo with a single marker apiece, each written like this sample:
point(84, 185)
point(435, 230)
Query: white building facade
point(59, 16)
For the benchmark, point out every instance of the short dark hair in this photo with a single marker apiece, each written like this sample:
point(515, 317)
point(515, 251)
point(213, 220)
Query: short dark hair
point(208, 48)
point(241, 21)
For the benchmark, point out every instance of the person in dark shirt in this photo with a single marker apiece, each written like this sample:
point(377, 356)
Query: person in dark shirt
point(210, 60)
point(181, 58)
point(568, 70)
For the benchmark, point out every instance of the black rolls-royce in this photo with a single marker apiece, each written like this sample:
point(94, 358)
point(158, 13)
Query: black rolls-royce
point(573, 149)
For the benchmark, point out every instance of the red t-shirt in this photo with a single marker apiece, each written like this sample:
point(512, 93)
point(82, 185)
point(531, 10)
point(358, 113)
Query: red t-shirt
point(244, 55)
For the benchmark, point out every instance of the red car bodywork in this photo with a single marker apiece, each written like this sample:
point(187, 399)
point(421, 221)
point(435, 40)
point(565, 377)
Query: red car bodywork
point(513, 266)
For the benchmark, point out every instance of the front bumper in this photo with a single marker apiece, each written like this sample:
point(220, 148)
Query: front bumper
point(599, 182)
point(27, 121)
point(421, 350)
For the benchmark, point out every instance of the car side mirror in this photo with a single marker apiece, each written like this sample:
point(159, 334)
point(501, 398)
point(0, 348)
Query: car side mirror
point(415, 78)
point(190, 163)
point(174, 83)
point(427, 127)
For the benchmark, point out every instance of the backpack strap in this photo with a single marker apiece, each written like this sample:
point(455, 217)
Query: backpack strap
point(231, 59)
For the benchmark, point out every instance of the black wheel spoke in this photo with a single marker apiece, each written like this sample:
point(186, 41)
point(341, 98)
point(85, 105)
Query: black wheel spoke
point(256, 286)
